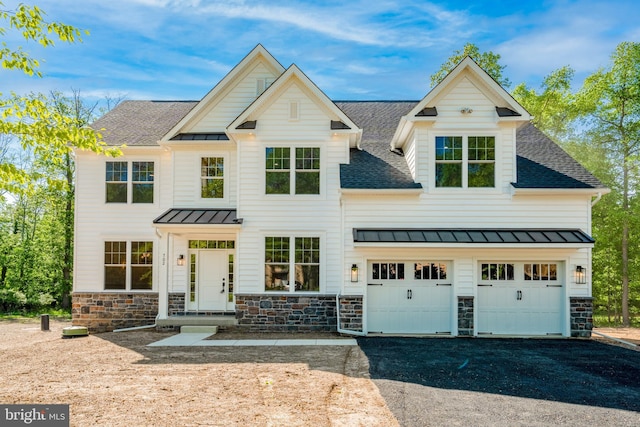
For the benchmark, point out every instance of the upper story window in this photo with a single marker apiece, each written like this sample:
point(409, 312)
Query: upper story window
point(212, 177)
point(281, 178)
point(465, 161)
point(118, 186)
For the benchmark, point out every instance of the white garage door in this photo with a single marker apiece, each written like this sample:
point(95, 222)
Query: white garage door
point(524, 298)
point(409, 298)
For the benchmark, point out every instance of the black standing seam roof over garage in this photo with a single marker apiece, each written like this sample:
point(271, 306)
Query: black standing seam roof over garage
point(438, 235)
point(199, 217)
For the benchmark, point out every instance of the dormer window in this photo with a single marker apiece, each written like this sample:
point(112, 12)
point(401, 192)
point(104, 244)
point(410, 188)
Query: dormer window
point(465, 161)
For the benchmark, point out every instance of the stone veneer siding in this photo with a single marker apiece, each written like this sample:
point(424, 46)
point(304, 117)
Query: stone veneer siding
point(277, 313)
point(106, 311)
point(465, 316)
point(351, 313)
point(176, 303)
point(581, 316)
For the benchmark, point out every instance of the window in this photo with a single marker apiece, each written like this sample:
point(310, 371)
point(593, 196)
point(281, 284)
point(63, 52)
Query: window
point(465, 161)
point(115, 265)
point(137, 275)
point(281, 179)
point(387, 271)
point(541, 271)
point(300, 255)
point(498, 271)
point(141, 265)
point(142, 182)
point(307, 171)
point(430, 270)
point(212, 177)
point(117, 182)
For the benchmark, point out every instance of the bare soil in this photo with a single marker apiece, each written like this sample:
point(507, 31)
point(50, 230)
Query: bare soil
point(114, 379)
point(630, 335)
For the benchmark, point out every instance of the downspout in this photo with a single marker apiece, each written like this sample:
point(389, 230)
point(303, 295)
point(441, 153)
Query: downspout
point(135, 328)
point(597, 199)
point(338, 328)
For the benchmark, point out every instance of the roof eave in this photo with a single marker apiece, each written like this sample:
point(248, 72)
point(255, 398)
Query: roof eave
point(474, 245)
point(383, 191)
point(559, 191)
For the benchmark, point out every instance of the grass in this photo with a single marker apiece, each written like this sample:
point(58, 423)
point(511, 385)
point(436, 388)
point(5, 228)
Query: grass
point(54, 313)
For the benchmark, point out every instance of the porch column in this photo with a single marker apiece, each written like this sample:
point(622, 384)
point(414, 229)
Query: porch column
point(163, 273)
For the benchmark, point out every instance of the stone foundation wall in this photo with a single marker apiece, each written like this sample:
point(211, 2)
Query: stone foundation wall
point(277, 313)
point(581, 316)
point(176, 303)
point(103, 311)
point(465, 317)
point(351, 313)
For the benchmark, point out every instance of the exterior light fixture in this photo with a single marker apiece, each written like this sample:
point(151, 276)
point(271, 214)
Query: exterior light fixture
point(354, 273)
point(180, 260)
point(466, 110)
point(581, 275)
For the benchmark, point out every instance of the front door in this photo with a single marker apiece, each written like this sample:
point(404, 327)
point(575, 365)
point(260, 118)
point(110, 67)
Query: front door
point(212, 286)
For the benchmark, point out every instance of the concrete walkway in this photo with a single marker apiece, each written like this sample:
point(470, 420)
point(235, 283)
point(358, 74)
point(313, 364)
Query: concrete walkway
point(200, 340)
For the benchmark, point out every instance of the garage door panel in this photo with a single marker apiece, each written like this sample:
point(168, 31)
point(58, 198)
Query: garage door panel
point(409, 305)
point(519, 305)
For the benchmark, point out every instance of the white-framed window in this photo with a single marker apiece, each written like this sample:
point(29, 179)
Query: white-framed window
point(120, 189)
point(509, 272)
point(132, 272)
point(387, 271)
point(292, 264)
point(501, 271)
point(212, 177)
point(292, 170)
point(430, 270)
point(262, 85)
point(465, 161)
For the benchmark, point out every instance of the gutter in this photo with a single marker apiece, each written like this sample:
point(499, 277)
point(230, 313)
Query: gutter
point(597, 199)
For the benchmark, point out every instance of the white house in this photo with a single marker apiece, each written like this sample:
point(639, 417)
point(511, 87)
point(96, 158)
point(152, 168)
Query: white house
point(283, 210)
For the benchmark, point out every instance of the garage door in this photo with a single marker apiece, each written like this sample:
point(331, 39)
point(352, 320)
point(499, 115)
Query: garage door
point(524, 298)
point(409, 298)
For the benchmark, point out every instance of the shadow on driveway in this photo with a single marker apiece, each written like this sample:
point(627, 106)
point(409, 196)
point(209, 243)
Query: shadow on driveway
point(569, 371)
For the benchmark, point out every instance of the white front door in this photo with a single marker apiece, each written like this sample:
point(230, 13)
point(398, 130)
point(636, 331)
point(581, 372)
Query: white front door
point(212, 278)
point(520, 298)
point(409, 298)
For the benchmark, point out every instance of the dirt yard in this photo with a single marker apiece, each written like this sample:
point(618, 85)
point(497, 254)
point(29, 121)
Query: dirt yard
point(113, 379)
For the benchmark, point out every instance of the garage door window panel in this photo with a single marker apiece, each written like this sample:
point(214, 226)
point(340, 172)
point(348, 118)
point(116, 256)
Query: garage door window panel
point(430, 270)
point(387, 271)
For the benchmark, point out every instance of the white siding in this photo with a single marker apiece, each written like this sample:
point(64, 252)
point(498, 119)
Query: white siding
point(97, 221)
point(465, 94)
point(233, 101)
point(186, 165)
point(290, 215)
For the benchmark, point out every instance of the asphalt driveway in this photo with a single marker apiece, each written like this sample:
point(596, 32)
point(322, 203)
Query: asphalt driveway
point(440, 381)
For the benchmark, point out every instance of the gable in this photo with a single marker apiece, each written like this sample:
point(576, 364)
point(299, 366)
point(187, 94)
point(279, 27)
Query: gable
point(233, 101)
point(238, 89)
point(467, 97)
point(295, 105)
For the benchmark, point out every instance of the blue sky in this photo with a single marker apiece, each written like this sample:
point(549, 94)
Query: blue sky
point(353, 50)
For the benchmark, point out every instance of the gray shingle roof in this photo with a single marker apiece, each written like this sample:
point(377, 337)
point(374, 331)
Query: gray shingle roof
point(376, 167)
point(541, 162)
point(141, 123)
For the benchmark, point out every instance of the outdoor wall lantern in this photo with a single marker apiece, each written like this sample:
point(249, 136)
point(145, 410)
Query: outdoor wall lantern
point(354, 273)
point(581, 275)
point(180, 260)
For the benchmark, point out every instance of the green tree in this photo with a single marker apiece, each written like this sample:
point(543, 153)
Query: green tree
point(552, 108)
point(488, 61)
point(611, 99)
point(50, 134)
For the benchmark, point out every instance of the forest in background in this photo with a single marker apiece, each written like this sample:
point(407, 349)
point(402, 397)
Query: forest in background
point(598, 124)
